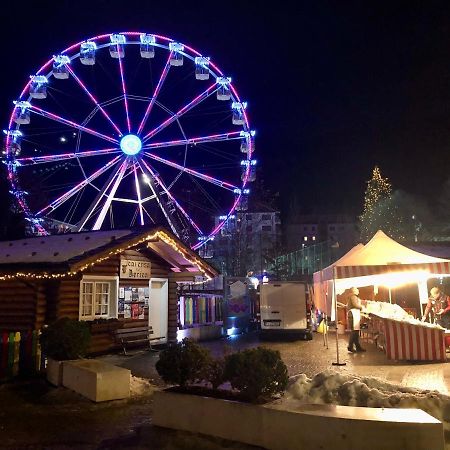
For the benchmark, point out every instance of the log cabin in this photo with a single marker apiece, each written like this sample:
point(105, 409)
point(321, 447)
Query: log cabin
point(111, 279)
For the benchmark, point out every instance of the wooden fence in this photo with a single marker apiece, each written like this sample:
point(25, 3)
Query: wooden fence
point(20, 354)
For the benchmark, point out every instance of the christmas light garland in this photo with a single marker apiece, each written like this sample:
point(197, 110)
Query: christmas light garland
point(158, 235)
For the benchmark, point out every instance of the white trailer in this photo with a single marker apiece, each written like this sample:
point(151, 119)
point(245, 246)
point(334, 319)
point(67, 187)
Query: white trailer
point(285, 309)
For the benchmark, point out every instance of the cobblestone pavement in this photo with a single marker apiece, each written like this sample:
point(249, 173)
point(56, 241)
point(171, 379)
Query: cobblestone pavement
point(311, 357)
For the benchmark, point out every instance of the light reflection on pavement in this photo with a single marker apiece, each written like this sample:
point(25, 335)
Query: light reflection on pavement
point(311, 357)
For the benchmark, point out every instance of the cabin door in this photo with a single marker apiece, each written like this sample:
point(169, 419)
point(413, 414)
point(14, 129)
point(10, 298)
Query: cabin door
point(158, 313)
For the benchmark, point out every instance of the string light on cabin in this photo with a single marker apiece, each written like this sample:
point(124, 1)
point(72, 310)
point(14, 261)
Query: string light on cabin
point(158, 235)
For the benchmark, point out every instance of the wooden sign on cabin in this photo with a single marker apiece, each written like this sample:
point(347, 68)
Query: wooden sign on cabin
point(133, 268)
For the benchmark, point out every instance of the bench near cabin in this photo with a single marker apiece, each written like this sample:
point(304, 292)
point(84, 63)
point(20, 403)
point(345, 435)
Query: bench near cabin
point(133, 336)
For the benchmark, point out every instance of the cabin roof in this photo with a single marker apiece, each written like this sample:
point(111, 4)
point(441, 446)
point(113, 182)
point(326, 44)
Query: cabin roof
point(76, 251)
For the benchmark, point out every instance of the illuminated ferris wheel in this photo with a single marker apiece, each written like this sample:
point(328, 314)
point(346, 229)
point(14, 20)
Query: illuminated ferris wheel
point(130, 129)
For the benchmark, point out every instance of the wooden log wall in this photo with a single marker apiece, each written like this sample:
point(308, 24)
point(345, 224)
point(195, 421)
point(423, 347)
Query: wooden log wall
point(68, 299)
point(41, 291)
point(20, 303)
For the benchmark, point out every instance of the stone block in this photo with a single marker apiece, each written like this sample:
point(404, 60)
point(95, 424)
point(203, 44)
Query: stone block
point(96, 380)
point(54, 371)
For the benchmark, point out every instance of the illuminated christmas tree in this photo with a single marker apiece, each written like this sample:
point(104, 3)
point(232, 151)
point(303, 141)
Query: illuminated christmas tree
point(378, 190)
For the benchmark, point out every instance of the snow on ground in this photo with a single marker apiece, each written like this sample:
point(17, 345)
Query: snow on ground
point(140, 387)
point(352, 390)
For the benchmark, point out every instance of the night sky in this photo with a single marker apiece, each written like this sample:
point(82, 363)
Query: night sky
point(333, 87)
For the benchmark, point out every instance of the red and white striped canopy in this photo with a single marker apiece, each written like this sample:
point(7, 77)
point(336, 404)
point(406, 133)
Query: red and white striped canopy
point(379, 256)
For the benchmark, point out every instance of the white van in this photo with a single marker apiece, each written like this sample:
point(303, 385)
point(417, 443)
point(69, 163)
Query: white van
point(285, 309)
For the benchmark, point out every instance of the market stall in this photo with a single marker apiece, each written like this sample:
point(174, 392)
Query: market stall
point(222, 306)
point(381, 263)
point(402, 336)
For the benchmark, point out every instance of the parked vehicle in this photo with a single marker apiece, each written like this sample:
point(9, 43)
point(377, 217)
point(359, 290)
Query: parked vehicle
point(285, 309)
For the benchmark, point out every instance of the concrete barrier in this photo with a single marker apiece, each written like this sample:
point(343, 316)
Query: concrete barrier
point(54, 371)
point(96, 380)
point(292, 427)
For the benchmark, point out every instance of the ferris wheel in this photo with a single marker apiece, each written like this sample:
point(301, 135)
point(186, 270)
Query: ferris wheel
point(130, 129)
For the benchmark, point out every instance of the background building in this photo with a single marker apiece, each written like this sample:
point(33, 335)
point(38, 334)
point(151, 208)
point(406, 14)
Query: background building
point(340, 230)
point(313, 242)
point(248, 242)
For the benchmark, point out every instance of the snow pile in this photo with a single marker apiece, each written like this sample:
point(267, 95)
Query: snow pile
point(140, 387)
point(351, 390)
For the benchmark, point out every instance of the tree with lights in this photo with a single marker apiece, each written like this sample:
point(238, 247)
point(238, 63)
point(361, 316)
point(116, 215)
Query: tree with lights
point(378, 190)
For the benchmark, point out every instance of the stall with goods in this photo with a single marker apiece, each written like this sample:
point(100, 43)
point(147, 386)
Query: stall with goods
point(379, 268)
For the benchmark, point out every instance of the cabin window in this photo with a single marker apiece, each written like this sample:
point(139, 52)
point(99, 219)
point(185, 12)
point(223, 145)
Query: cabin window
point(97, 299)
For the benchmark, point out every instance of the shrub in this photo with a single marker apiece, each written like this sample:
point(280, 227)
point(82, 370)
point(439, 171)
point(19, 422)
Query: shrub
point(182, 363)
point(214, 372)
point(258, 373)
point(65, 339)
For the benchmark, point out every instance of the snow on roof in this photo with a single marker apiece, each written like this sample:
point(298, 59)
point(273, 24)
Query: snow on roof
point(56, 248)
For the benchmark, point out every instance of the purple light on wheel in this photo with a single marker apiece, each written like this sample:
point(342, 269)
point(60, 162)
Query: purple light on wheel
point(130, 146)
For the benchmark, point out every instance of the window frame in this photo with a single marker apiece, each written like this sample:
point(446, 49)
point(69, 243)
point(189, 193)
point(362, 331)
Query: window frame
point(112, 307)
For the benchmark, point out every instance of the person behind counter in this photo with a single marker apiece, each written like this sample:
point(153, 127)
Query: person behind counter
point(439, 305)
point(354, 308)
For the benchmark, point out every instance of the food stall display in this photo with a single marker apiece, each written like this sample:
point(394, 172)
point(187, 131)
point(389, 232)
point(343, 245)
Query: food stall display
point(383, 262)
point(403, 336)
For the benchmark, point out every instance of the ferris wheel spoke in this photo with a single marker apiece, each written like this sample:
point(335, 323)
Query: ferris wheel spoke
point(155, 93)
point(70, 123)
point(28, 161)
point(198, 140)
point(124, 89)
point(151, 183)
point(164, 188)
point(97, 104)
point(94, 206)
point(110, 196)
point(197, 100)
point(138, 195)
point(208, 178)
point(148, 214)
point(66, 196)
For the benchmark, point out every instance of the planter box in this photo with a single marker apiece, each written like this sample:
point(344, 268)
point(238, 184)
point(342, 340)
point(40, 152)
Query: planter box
point(54, 371)
point(292, 427)
point(96, 380)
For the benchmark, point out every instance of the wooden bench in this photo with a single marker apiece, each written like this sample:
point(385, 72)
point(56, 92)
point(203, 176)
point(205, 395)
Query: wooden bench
point(136, 335)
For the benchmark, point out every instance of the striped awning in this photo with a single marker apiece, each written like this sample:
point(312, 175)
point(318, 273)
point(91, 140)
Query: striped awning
point(438, 268)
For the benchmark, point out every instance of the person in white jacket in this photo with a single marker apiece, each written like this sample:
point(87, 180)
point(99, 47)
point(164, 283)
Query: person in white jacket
point(354, 308)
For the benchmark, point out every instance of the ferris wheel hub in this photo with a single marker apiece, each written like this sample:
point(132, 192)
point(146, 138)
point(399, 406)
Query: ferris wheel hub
point(130, 144)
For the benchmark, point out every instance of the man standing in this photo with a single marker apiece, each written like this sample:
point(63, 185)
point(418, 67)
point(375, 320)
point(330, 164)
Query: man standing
point(439, 305)
point(354, 307)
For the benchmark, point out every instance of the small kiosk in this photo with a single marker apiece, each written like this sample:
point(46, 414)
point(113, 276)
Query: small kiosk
point(223, 306)
point(110, 279)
